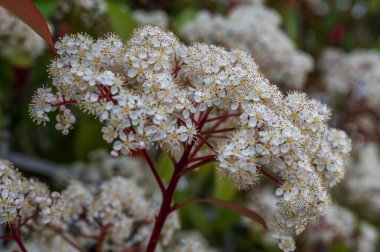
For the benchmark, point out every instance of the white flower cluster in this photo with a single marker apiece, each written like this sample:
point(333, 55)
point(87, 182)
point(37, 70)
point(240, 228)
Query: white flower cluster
point(127, 209)
point(43, 240)
point(192, 242)
point(21, 198)
point(156, 91)
point(296, 143)
point(16, 37)
point(356, 71)
point(117, 206)
point(338, 225)
point(255, 28)
point(368, 238)
point(330, 160)
point(341, 224)
point(363, 177)
point(157, 17)
point(91, 11)
point(117, 209)
point(104, 167)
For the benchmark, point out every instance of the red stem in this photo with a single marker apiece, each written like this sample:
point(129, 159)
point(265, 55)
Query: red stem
point(153, 168)
point(58, 231)
point(168, 194)
point(180, 168)
point(166, 205)
point(63, 103)
point(199, 164)
point(222, 117)
point(101, 239)
point(201, 158)
point(206, 142)
point(17, 238)
point(6, 238)
point(199, 146)
point(209, 132)
point(278, 182)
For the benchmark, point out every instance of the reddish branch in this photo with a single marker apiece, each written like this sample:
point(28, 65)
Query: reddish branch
point(59, 231)
point(271, 177)
point(209, 132)
point(222, 117)
point(63, 103)
point(179, 168)
point(197, 165)
point(204, 141)
point(101, 238)
point(166, 204)
point(154, 170)
point(16, 235)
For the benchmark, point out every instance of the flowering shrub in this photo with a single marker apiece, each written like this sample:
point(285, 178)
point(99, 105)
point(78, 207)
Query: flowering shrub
point(155, 91)
point(179, 126)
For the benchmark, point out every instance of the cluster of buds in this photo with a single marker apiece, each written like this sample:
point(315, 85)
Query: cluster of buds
point(17, 37)
point(254, 27)
point(155, 91)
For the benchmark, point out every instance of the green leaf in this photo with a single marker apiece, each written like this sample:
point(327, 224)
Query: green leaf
point(292, 23)
point(374, 6)
point(338, 248)
point(231, 206)
point(223, 188)
point(165, 167)
point(194, 216)
point(47, 8)
point(87, 136)
point(121, 19)
point(21, 59)
point(226, 219)
point(183, 17)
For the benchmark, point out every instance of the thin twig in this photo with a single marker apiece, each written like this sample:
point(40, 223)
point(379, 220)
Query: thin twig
point(268, 175)
point(206, 143)
point(221, 117)
point(209, 132)
point(58, 231)
point(154, 170)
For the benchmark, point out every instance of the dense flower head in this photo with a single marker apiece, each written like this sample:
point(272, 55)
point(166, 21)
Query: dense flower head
point(356, 71)
point(20, 198)
point(155, 91)
point(117, 208)
point(16, 37)
point(256, 28)
point(363, 175)
point(339, 225)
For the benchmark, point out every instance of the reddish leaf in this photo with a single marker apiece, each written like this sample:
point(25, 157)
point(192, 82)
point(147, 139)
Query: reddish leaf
point(229, 205)
point(30, 15)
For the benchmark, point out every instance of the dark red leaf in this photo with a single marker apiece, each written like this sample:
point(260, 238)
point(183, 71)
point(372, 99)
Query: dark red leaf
point(30, 15)
point(229, 205)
